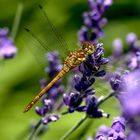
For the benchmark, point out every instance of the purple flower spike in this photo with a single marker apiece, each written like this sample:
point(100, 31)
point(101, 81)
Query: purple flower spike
point(7, 47)
point(94, 21)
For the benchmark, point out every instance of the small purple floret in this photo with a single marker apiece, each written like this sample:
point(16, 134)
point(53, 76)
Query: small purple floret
point(50, 118)
point(7, 47)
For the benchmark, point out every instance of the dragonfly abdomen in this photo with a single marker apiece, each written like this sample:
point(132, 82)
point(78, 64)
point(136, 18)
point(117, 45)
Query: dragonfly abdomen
point(44, 90)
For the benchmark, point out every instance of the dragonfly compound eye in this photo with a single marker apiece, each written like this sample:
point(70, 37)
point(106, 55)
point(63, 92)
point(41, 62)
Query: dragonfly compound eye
point(88, 47)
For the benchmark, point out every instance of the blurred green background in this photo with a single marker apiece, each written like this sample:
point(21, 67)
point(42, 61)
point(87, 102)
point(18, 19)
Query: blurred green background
point(19, 77)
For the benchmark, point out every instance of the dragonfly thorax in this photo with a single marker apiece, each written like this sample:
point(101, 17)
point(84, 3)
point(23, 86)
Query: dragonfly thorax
point(75, 58)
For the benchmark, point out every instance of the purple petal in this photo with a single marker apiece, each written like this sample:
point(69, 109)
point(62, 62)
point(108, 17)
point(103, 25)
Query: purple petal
point(66, 99)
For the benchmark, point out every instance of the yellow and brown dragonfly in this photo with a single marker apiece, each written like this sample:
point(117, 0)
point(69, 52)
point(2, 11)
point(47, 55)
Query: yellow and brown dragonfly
point(74, 59)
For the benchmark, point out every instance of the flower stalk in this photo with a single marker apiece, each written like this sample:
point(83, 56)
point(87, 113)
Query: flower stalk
point(74, 128)
point(17, 20)
point(35, 129)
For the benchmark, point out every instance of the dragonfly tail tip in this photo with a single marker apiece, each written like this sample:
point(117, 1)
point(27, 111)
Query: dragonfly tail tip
point(25, 110)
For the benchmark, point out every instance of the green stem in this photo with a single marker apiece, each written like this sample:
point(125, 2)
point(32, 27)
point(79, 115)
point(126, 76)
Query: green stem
point(84, 130)
point(74, 128)
point(17, 19)
point(105, 98)
point(35, 129)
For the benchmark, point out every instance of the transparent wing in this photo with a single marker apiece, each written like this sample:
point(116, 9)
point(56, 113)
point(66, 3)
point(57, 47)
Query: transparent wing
point(43, 37)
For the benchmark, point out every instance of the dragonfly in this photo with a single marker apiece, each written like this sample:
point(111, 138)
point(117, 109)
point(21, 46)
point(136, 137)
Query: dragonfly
point(74, 59)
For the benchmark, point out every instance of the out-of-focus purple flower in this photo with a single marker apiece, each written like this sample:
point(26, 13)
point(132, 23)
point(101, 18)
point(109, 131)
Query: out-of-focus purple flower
point(131, 59)
point(117, 47)
point(117, 129)
point(118, 124)
point(94, 21)
point(133, 136)
point(116, 132)
point(131, 38)
point(130, 98)
point(100, 137)
point(134, 63)
point(7, 47)
point(134, 60)
point(117, 82)
point(133, 42)
point(4, 32)
point(89, 138)
point(102, 132)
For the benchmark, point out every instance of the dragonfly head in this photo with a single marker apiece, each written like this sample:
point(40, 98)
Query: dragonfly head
point(88, 47)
